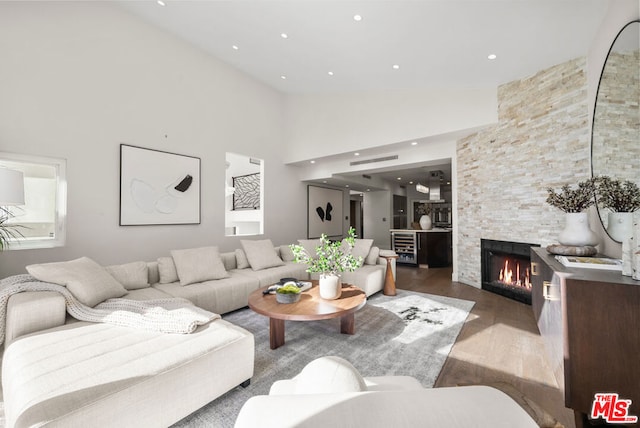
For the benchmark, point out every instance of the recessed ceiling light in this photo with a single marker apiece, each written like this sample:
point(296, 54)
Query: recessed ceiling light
point(161, 3)
point(356, 154)
point(411, 182)
point(283, 77)
point(368, 190)
point(330, 73)
point(284, 35)
point(313, 161)
point(324, 181)
point(357, 18)
point(235, 47)
point(346, 185)
point(396, 67)
point(492, 56)
point(399, 178)
point(414, 143)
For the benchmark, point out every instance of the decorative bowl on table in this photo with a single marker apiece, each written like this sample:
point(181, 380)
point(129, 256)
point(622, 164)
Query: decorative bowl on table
point(288, 293)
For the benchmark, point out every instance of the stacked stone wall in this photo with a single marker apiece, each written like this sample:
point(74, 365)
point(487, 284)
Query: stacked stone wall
point(541, 140)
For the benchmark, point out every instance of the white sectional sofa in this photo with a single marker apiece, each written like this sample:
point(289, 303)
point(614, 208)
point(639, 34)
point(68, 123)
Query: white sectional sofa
point(58, 371)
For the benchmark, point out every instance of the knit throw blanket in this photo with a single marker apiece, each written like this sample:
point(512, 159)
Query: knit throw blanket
point(171, 315)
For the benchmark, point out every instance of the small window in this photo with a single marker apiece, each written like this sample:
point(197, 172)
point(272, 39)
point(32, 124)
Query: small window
point(43, 215)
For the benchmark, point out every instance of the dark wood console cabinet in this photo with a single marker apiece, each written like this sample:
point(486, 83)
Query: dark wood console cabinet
point(590, 323)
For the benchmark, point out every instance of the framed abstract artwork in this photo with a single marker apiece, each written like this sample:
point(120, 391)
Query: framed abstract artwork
point(247, 192)
point(324, 212)
point(158, 188)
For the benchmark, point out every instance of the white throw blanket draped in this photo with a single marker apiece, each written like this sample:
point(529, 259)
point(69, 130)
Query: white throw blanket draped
point(170, 315)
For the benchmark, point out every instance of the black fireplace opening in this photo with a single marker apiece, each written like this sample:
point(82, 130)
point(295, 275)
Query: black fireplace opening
point(506, 268)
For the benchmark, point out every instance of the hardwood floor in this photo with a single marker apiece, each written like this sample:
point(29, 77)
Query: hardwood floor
point(499, 342)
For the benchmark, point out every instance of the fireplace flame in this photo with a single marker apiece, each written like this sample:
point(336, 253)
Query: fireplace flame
point(506, 276)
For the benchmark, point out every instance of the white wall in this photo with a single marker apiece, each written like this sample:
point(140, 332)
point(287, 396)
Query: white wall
point(377, 207)
point(321, 125)
point(79, 78)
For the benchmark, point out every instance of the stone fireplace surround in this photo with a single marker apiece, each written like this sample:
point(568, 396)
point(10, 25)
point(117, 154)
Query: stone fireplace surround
point(542, 139)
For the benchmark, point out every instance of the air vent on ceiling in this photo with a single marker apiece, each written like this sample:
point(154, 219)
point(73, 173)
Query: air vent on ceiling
point(365, 161)
point(368, 177)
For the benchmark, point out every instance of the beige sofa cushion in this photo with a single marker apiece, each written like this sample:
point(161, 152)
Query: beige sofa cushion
point(360, 248)
point(372, 257)
point(261, 254)
point(241, 259)
point(89, 282)
point(198, 264)
point(167, 270)
point(310, 246)
point(286, 254)
point(132, 276)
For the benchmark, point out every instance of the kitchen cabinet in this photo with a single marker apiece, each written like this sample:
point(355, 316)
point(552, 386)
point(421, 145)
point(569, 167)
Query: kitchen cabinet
point(434, 249)
point(589, 320)
point(422, 247)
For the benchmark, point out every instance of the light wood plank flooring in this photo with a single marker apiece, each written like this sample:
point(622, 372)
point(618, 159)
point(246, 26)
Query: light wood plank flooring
point(499, 342)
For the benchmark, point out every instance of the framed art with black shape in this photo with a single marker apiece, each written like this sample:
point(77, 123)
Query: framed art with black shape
point(324, 211)
point(158, 188)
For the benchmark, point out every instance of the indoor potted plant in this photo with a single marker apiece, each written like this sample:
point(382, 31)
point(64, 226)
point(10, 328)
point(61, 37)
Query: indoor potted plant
point(331, 259)
point(622, 198)
point(574, 202)
point(288, 293)
point(8, 231)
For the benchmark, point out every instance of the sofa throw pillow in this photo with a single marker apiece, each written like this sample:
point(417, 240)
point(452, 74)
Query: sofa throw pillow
point(132, 276)
point(167, 270)
point(241, 259)
point(360, 248)
point(310, 246)
point(372, 257)
point(198, 264)
point(261, 254)
point(286, 254)
point(89, 282)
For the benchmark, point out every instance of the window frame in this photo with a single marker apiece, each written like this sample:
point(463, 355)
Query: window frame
point(60, 219)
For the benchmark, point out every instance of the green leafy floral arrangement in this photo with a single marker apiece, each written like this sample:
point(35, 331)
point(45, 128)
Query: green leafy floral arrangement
point(332, 257)
point(573, 200)
point(618, 196)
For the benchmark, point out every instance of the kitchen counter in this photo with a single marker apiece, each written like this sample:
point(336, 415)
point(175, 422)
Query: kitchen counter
point(431, 248)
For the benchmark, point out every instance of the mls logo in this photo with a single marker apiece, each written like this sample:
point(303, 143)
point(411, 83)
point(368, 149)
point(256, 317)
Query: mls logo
point(612, 409)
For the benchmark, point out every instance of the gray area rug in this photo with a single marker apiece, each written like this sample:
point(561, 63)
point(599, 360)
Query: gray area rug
point(408, 334)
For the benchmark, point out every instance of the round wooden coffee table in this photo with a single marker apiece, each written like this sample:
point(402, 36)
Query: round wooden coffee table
point(310, 307)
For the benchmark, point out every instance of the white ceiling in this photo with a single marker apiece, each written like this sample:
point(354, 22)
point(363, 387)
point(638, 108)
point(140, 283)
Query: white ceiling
point(436, 43)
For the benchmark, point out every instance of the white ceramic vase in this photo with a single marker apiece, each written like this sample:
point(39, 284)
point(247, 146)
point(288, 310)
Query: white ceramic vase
point(425, 222)
point(620, 226)
point(330, 286)
point(577, 232)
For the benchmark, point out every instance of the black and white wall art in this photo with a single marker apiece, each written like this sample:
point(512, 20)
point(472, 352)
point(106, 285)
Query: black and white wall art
point(247, 192)
point(158, 187)
point(324, 212)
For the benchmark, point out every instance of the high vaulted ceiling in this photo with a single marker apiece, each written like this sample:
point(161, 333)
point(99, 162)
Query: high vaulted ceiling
point(434, 43)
